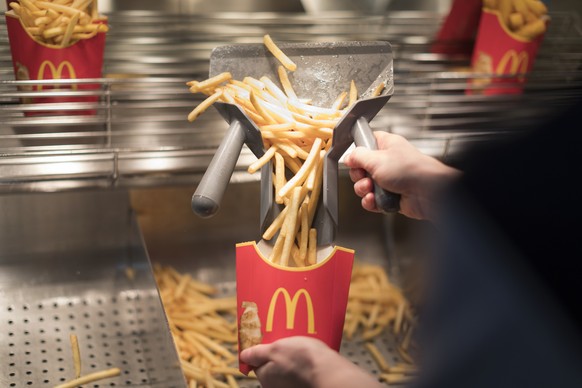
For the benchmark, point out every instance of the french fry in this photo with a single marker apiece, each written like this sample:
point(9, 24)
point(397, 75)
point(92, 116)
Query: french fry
point(211, 82)
point(262, 160)
point(69, 30)
point(59, 24)
point(303, 172)
point(290, 224)
point(284, 79)
point(395, 378)
point(378, 90)
point(90, 378)
point(279, 176)
point(204, 105)
point(525, 18)
point(76, 355)
point(378, 357)
point(312, 247)
point(353, 96)
point(277, 53)
point(531, 30)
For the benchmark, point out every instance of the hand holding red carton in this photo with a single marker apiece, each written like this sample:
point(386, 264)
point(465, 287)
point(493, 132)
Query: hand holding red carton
point(510, 33)
point(57, 40)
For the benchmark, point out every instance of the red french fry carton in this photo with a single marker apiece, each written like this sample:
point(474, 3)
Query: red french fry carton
point(33, 60)
point(502, 56)
point(275, 302)
point(456, 35)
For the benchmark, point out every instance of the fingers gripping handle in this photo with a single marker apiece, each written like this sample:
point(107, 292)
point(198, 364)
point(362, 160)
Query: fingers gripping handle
point(206, 200)
point(386, 201)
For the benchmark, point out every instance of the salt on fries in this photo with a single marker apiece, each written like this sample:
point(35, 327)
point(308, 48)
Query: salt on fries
point(525, 18)
point(203, 327)
point(59, 23)
point(296, 136)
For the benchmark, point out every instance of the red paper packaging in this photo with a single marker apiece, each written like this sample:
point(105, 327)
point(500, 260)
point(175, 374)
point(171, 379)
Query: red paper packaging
point(456, 35)
point(33, 60)
point(503, 56)
point(276, 302)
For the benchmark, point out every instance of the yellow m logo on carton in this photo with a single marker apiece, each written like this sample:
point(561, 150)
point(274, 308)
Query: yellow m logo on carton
point(56, 72)
point(291, 309)
point(513, 63)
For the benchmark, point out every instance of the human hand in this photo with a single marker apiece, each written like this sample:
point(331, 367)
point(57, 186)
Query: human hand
point(399, 167)
point(304, 362)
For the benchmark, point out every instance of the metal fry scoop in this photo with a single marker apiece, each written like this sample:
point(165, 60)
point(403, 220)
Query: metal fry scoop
point(324, 70)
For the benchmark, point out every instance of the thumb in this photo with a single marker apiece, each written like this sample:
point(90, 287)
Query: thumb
point(256, 355)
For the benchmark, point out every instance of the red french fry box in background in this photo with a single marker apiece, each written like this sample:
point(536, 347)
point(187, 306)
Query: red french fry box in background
point(308, 301)
point(36, 61)
point(456, 35)
point(502, 55)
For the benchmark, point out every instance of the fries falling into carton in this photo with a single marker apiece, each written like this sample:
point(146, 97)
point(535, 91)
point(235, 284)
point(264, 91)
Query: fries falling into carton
point(59, 23)
point(524, 18)
point(296, 136)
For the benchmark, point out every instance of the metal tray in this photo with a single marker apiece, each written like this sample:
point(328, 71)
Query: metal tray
point(64, 262)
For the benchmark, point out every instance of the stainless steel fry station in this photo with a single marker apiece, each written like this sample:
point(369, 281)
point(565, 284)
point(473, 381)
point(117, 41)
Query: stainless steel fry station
point(91, 203)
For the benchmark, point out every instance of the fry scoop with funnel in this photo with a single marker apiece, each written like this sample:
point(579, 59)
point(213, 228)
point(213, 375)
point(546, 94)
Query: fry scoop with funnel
point(324, 70)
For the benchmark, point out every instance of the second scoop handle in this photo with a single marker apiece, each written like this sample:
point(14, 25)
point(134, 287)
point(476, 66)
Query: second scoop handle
point(386, 201)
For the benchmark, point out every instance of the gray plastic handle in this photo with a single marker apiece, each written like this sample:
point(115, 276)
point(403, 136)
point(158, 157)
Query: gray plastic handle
point(386, 201)
point(206, 200)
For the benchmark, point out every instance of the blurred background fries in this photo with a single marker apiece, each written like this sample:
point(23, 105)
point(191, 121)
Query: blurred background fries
point(525, 18)
point(59, 23)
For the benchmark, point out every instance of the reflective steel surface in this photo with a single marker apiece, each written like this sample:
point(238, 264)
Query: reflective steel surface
point(139, 134)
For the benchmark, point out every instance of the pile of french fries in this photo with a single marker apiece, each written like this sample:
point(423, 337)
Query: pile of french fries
point(203, 326)
point(374, 306)
point(296, 136)
point(59, 23)
point(525, 18)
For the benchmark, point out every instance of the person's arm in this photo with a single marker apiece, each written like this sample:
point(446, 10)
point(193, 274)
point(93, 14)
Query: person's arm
point(399, 167)
point(304, 362)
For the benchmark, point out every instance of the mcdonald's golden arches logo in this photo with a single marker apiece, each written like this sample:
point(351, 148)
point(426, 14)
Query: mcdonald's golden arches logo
point(291, 309)
point(513, 63)
point(56, 72)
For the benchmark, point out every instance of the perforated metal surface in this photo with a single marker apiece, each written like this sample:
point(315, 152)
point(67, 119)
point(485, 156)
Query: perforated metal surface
point(112, 332)
point(64, 262)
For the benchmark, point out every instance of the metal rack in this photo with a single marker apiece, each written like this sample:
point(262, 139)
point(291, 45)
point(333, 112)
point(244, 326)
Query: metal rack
point(139, 134)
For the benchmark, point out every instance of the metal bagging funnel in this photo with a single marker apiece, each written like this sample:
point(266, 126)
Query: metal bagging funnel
point(324, 70)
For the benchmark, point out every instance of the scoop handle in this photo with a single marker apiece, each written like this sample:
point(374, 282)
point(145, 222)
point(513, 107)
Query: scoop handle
point(206, 200)
point(386, 201)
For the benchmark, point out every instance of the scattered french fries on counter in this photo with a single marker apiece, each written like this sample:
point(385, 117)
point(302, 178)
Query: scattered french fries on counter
point(79, 378)
point(203, 326)
point(59, 23)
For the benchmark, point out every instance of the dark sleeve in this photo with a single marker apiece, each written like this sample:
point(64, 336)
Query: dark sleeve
point(530, 186)
point(503, 303)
